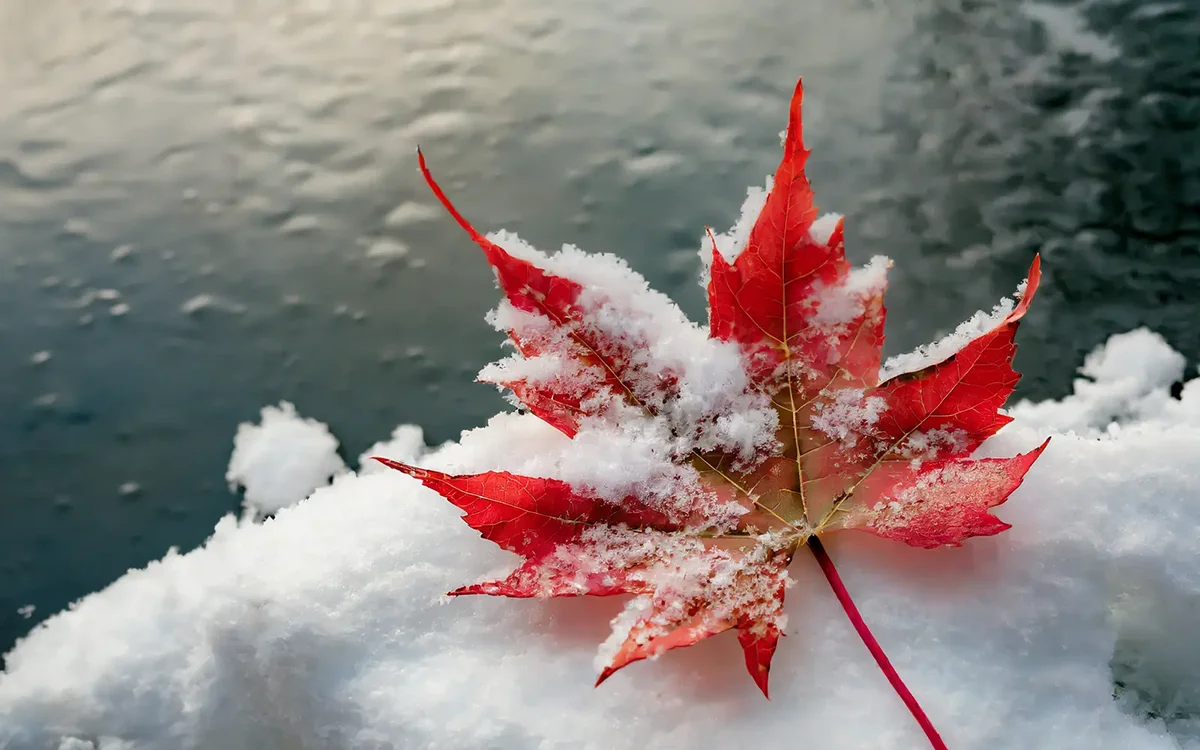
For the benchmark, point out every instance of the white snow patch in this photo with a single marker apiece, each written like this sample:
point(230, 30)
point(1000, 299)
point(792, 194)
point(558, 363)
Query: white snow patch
point(731, 244)
point(709, 406)
point(326, 627)
point(840, 304)
point(282, 460)
point(849, 416)
point(406, 445)
point(1125, 379)
point(928, 354)
point(822, 228)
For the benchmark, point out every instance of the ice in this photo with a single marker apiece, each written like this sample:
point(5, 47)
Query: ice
point(283, 459)
point(326, 626)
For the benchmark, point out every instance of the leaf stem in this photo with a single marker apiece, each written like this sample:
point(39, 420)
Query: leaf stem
point(856, 619)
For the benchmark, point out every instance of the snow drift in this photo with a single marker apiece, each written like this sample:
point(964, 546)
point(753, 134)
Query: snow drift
point(326, 626)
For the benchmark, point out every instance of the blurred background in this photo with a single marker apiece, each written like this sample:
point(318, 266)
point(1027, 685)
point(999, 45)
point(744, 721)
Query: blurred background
point(206, 207)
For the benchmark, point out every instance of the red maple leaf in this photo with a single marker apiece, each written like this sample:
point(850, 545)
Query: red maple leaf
point(766, 430)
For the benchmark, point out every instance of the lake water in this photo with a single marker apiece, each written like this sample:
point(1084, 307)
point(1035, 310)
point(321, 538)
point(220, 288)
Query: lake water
point(206, 207)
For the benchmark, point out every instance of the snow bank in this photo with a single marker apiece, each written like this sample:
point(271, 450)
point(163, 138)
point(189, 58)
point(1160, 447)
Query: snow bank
point(1127, 379)
point(283, 459)
point(326, 627)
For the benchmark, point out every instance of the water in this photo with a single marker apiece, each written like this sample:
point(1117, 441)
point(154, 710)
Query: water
point(209, 207)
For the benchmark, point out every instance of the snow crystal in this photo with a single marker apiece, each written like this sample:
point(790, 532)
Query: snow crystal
point(635, 609)
point(712, 407)
point(849, 416)
point(731, 244)
point(822, 228)
point(928, 354)
point(928, 444)
point(634, 457)
point(282, 460)
point(682, 572)
point(841, 304)
point(326, 626)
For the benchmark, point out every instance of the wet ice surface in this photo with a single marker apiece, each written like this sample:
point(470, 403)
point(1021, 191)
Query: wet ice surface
point(203, 209)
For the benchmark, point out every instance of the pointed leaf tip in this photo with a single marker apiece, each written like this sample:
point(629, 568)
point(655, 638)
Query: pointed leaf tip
point(795, 131)
point(759, 648)
point(445, 201)
point(1032, 280)
point(405, 468)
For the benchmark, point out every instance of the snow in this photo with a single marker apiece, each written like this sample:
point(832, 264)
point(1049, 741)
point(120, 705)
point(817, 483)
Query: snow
point(622, 310)
point(283, 459)
point(326, 626)
point(406, 445)
point(1128, 378)
point(929, 354)
point(731, 244)
point(846, 301)
point(849, 415)
point(823, 226)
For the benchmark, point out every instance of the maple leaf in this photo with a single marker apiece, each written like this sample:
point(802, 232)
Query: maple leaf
point(762, 432)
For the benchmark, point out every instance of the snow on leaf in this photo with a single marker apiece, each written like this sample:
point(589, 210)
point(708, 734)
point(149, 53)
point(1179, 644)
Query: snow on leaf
point(776, 410)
